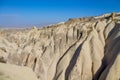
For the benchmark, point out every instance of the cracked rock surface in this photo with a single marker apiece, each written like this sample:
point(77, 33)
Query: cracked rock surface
point(79, 49)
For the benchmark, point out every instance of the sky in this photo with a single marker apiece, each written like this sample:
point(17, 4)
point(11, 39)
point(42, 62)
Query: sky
point(27, 13)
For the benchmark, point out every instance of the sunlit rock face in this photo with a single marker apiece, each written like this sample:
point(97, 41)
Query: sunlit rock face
point(79, 49)
point(14, 72)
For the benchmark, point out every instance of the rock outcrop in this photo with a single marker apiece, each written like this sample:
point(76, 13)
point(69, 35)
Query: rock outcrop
point(13, 72)
point(79, 49)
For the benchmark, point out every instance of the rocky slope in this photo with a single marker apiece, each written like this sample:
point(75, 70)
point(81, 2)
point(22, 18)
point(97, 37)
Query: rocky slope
point(13, 72)
point(79, 49)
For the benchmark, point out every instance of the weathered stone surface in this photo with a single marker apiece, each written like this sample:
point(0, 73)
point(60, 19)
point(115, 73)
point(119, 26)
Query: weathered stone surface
point(14, 72)
point(79, 49)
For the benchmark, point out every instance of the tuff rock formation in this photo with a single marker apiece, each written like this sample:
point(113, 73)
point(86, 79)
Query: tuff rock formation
point(13, 72)
point(79, 49)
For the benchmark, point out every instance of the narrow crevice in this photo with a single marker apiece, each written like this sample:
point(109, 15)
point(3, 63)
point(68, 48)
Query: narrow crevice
point(64, 55)
point(27, 60)
point(100, 70)
point(74, 59)
point(34, 64)
point(72, 62)
point(105, 64)
point(78, 33)
point(56, 77)
point(67, 37)
point(44, 49)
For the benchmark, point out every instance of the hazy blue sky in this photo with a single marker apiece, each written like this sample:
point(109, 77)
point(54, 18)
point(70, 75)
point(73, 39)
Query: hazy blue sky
point(21, 13)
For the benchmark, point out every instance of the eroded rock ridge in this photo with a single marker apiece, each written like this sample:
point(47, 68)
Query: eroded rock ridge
point(79, 49)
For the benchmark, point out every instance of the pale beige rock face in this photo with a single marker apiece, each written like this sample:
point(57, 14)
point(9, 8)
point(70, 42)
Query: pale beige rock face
point(14, 72)
point(79, 49)
point(114, 72)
